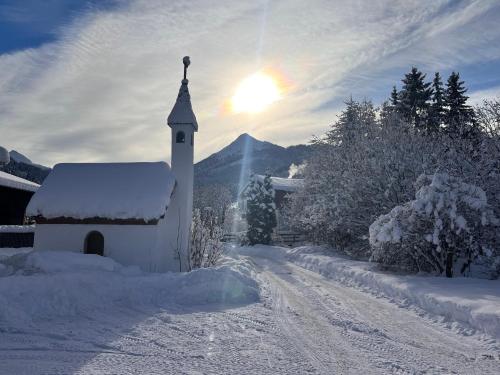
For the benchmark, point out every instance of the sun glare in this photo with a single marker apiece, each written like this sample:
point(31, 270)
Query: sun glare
point(255, 93)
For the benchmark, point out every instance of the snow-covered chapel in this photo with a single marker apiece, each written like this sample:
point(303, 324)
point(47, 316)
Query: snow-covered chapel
point(136, 213)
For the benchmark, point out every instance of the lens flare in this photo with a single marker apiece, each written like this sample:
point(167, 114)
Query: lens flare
point(255, 93)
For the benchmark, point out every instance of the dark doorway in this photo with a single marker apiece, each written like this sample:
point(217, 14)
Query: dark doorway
point(94, 243)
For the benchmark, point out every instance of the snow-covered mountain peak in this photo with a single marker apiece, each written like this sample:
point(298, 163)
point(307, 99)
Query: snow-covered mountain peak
point(20, 158)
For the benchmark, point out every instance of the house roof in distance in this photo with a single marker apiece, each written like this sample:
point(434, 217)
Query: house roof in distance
point(18, 183)
point(288, 185)
point(114, 191)
point(284, 184)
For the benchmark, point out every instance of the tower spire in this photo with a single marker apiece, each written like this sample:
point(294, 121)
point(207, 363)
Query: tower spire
point(183, 124)
point(182, 112)
point(186, 63)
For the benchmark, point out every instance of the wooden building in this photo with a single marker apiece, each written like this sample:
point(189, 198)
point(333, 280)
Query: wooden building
point(15, 194)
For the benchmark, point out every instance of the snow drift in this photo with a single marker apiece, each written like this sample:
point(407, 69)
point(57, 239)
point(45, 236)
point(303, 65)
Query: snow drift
point(46, 285)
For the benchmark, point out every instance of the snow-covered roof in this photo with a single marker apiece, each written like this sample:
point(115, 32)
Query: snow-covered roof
point(289, 185)
point(104, 190)
point(182, 113)
point(18, 183)
point(284, 184)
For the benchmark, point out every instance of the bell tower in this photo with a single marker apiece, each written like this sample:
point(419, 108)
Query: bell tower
point(183, 123)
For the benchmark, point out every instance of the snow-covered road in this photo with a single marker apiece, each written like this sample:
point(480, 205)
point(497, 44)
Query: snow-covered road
point(339, 329)
point(303, 323)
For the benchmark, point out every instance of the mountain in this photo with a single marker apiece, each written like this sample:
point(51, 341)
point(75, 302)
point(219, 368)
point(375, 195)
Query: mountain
point(20, 158)
point(23, 167)
point(246, 155)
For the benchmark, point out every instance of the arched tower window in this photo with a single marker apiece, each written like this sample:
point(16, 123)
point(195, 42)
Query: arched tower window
point(94, 243)
point(180, 137)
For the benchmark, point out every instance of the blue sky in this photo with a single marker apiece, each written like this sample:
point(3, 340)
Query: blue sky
point(93, 80)
point(31, 23)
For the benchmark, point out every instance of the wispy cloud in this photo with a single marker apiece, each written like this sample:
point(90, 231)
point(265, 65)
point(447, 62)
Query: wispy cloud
point(103, 90)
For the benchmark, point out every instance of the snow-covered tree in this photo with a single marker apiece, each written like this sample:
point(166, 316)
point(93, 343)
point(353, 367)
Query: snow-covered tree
point(488, 117)
point(260, 211)
point(444, 229)
point(357, 119)
point(216, 197)
point(368, 164)
point(360, 169)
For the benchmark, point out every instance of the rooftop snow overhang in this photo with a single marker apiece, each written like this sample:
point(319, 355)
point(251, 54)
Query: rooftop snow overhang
point(18, 183)
point(94, 221)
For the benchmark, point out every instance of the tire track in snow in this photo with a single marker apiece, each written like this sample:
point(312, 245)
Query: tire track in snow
point(405, 341)
point(325, 319)
point(290, 314)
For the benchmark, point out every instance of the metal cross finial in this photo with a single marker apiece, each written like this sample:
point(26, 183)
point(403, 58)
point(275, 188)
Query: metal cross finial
point(186, 63)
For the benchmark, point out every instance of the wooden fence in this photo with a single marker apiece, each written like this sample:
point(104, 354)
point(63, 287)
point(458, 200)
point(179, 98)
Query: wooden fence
point(17, 236)
point(16, 240)
point(280, 238)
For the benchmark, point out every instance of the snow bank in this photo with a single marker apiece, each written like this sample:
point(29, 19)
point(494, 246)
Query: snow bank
point(46, 285)
point(6, 252)
point(475, 302)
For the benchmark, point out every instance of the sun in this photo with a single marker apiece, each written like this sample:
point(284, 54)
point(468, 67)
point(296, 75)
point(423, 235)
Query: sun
point(255, 93)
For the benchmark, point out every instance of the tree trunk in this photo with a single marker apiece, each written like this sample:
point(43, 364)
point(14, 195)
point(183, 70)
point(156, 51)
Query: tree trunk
point(449, 263)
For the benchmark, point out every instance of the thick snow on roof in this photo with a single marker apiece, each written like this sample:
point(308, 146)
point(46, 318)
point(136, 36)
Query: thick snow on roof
point(15, 182)
point(182, 113)
point(283, 184)
point(105, 190)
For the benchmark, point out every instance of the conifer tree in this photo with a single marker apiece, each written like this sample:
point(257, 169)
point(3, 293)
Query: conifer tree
point(414, 98)
point(388, 110)
point(437, 111)
point(394, 97)
point(459, 116)
point(260, 211)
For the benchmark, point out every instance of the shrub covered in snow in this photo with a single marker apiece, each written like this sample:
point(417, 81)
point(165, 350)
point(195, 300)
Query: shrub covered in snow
point(446, 228)
point(210, 217)
point(206, 239)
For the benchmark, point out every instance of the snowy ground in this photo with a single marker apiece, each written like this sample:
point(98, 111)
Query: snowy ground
point(258, 313)
point(464, 304)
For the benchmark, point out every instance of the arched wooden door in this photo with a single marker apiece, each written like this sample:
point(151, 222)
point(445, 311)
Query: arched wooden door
point(94, 243)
